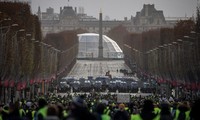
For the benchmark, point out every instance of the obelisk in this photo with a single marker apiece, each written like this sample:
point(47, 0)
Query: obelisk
point(100, 37)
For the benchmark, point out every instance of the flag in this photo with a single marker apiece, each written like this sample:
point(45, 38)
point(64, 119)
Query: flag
point(19, 86)
point(6, 83)
point(12, 83)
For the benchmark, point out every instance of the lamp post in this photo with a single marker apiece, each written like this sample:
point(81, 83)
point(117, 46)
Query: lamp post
point(52, 71)
point(32, 88)
point(194, 42)
point(29, 60)
point(35, 88)
point(58, 56)
point(180, 56)
point(155, 55)
point(174, 51)
point(174, 64)
point(195, 36)
point(49, 66)
point(43, 67)
point(192, 59)
point(7, 54)
point(160, 59)
point(48, 63)
point(16, 62)
point(4, 31)
point(2, 40)
point(187, 56)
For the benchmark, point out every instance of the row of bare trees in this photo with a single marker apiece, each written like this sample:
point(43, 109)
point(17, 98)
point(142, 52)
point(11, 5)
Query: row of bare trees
point(167, 54)
point(67, 42)
point(20, 57)
point(24, 56)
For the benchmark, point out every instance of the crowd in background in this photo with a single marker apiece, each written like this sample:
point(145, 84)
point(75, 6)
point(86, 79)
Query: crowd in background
point(100, 107)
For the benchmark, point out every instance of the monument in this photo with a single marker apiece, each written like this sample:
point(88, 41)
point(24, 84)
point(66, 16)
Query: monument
point(100, 56)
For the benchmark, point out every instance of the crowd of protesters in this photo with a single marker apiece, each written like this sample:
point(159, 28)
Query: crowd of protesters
point(100, 107)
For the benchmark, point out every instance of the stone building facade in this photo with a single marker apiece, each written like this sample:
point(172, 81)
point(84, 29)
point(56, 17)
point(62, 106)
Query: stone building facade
point(69, 19)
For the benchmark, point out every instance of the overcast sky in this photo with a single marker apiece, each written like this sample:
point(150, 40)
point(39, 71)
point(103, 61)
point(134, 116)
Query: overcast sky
point(118, 9)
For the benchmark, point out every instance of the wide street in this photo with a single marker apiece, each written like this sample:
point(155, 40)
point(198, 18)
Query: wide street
point(95, 68)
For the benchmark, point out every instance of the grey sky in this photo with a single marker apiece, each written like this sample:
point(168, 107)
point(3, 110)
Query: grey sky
point(118, 9)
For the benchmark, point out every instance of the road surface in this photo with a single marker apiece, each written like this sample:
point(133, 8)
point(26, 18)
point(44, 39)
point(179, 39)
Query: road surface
point(95, 68)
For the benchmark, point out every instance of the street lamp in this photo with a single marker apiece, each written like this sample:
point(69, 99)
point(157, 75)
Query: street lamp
point(33, 39)
point(174, 43)
point(179, 40)
point(21, 30)
point(3, 41)
point(4, 50)
point(14, 25)
point(46, 60)
point(180, 56)
point(36, 41)
point(193, 51)
point(3, 46)
point(16, 62)
point(5, 19)
point(160, 59)
point(28, 35)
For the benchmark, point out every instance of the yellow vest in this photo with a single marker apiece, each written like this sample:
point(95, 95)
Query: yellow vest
point(43, 112)
point(138, 117)
point(135, 117)
point(187, 115)
point(157, 110)
point(1, 117)
point(6, 111)
point(33, 114)
point(65, 113)
point(105, 117)
point(22, 112)
point(128, 110)
point(107, 111)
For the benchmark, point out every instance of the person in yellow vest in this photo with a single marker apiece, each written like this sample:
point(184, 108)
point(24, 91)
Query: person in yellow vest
point(99, 112)
point(4, 112)
point(127, 109)
point(52, 113)
point(42, 111)
point(29, 110)
point(14, 111)
point(146, 112)
point(107, 110)
point(165, 113)
point(1, 109)
point(174, 108)
point(183, 112)
point(65, 114)
point(121, 114)
point(33, 114)
point(156, 109)
point(78, 110)
point(62, 113)
point(91, 107)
